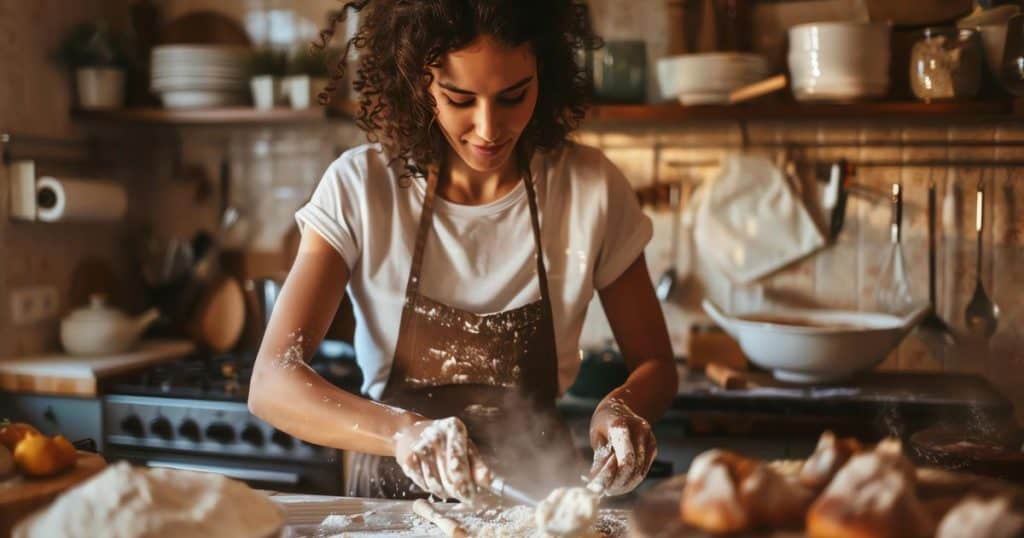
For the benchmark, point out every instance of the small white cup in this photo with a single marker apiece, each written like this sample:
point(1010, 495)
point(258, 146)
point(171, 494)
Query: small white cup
point(262, 87)
point(100, 87)
point(298, 89)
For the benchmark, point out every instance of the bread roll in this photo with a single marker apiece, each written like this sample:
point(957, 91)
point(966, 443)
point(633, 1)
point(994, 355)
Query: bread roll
point(728, 493)
point(829, 456)
point(872, 496)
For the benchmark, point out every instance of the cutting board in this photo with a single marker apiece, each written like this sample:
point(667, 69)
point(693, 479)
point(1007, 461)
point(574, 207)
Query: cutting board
point(78, 376)
point(21, 496)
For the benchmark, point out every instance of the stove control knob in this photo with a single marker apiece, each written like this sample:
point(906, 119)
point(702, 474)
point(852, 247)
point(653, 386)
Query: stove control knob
point(253, 435)
point(221, 432)
point(161, 427)
point(282, 439)
point(132, 425)
point(189, 430)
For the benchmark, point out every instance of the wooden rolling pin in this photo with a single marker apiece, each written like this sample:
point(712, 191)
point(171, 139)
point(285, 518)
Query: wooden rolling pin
point(727, 378)
point(448, 526)
point(758, 89)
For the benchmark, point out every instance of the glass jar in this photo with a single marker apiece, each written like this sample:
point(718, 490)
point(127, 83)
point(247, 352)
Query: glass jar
point(620, 72)
point(1013, 56)
point(945, 64)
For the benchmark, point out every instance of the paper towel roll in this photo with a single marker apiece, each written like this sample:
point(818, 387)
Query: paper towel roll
point(59, 200)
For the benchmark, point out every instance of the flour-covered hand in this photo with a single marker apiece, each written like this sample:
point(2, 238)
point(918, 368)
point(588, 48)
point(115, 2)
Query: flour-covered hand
point(624, 448)
point(439, 457)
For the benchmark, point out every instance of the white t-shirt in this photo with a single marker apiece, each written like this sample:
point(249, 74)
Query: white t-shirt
point(477, 258)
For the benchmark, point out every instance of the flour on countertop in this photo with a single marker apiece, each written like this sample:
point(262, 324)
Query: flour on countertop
point(515, 522)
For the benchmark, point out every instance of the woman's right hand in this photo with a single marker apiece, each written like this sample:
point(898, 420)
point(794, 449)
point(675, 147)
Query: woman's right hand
point(439, 457)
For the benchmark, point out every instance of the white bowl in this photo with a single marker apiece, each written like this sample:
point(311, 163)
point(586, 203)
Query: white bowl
point(839, 60)
point(828, 346)
point(201, 98)
point(709, 72)
point(197, 83)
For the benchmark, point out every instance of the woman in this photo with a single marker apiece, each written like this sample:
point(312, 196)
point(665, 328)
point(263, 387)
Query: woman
point(471, 237)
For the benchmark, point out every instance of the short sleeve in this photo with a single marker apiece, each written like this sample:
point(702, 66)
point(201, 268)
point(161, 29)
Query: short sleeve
point(334, 209)
point(627, 228)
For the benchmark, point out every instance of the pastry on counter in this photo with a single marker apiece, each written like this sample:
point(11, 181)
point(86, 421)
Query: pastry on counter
point(873, 496)
point(727, 493)
point(126, 501)
point(829, 456)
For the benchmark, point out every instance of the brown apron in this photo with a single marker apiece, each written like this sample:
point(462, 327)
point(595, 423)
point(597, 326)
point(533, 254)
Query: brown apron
point(497, 372)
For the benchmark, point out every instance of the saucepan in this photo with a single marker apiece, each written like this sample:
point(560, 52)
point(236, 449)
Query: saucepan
point(815, 346)
point(997, 451)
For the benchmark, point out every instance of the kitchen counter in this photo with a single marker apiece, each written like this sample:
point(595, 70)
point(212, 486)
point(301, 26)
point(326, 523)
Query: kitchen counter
point(778, 421)
point(364, 518)
point(899, 395)
point(68, 375)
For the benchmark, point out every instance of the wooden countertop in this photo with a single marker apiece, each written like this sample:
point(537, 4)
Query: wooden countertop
point(366, 518)
point(69, 375)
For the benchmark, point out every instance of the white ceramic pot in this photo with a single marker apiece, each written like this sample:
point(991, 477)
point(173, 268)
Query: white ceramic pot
point(99, 87)
point(839, 60)
point(815, 346)
point(297, 89)
point(263, 91)
point(98, 329)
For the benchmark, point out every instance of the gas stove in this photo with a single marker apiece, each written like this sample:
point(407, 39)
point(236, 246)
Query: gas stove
point(192, 414)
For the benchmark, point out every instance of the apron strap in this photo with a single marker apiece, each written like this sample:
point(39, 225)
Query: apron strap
point(542, 273)
point(412, 287)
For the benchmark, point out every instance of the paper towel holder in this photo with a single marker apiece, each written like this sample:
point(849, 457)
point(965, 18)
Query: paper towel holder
point(22, 190)
point(22, 168)
point(21, 185)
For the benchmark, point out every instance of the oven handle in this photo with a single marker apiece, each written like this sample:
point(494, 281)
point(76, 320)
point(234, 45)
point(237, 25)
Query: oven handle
point(257, 475)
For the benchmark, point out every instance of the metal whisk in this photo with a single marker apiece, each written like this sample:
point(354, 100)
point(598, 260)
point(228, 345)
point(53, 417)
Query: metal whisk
point(894, 286)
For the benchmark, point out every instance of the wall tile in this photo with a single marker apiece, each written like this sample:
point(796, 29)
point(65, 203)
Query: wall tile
point(636, 163)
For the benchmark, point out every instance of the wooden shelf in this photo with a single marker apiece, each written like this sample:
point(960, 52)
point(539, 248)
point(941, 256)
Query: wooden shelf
point(202, 116)
point(660, 113)
point(676, 113)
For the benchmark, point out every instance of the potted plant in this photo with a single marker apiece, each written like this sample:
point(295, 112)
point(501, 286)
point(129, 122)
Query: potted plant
point(266, 69)
point(92, 51)
point(308, 70)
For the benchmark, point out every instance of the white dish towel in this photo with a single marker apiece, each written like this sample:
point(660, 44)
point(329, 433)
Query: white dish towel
point(751, 223)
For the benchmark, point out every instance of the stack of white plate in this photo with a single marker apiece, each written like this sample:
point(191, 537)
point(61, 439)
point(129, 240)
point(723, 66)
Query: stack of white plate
point(839, 61)
point(708, 78)
point(199, 76)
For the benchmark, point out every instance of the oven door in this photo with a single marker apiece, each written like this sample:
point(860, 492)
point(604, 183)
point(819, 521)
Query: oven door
point(275, 475)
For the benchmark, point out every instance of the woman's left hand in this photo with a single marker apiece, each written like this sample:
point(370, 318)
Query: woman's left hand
point(624, 447)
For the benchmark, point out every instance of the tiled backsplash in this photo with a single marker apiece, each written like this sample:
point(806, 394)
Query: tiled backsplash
point(846, 275)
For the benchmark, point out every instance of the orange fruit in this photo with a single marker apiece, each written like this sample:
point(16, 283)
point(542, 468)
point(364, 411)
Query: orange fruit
point(39, 455)
point(13, 432)
point(68, 452)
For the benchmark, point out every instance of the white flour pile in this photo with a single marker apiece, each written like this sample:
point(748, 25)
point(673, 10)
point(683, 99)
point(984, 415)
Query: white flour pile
point(566, 511)
point(128, 502)
point(516, 522)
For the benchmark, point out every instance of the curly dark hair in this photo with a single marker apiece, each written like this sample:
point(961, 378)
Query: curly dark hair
point(399, 40)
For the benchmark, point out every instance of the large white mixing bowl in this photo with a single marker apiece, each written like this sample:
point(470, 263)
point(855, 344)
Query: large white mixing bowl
point(827, 345)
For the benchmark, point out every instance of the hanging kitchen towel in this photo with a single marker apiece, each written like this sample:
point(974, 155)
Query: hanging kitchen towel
point(751, 223)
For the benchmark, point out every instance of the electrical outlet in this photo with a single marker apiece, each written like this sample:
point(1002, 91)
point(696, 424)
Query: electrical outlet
point(34, 304)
